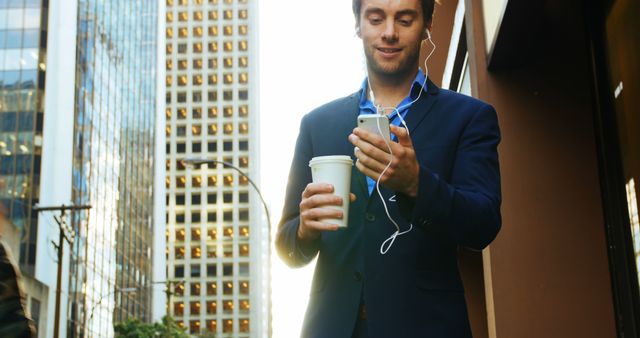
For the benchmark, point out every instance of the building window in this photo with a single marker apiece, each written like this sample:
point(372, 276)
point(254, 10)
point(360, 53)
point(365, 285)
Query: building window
point(212, 251)
point(213, 15)
point(228, 326)
point(213, 31)
point(228, 14)
point(197, 15)
point(194, 326)
point(196, 252)
point(213, 79)
point(179, 290)
point(243, 269)
point(212, 233)
point(212, 325)
point(213, 112)
point(212, 217)
point(180, 234)
point(227, 288)
point(227, 216)
point(243, 45)
point(213, 47)
point(178, 308)
point(227, 269)
point(212, 146)
point(212, 270)
point(243, 14)
point(213, 129)
point(178, 271)
point(244, 288)
point(213, 180)
point(212, 307)
point(212, 199)
point(244, 324)
point(212, 288)
point(243, 95)
point(243, 145)
point(194, 307)
point(195, 289)
point(179, 252)
point(243, 250)
point(197, 47)
point(244, 197)
point(227, 145)
point(196, 147)
point(227, 306)
point(195, 270)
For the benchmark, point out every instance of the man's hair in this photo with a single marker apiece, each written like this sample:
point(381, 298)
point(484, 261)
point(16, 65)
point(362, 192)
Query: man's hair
point(427, 9)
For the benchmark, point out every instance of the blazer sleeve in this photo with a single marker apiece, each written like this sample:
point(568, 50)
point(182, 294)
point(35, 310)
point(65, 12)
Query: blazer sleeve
point(293, 251)
point(468, 207)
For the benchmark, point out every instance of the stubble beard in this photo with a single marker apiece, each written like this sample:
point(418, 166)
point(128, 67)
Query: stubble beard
point(402, 68)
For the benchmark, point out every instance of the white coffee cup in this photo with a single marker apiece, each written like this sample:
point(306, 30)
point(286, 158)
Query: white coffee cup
point(335, 170)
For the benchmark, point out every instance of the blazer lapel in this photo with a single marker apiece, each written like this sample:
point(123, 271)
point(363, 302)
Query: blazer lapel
point(421, 108)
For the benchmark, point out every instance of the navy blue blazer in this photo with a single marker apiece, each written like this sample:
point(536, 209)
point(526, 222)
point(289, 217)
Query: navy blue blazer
point(415, 289)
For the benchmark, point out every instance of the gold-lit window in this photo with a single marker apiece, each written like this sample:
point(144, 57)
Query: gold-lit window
point(197, 64)
point(179, 289)
point(197, 31)
point(213, 2)
point(213, 113)
point(194, 307)
point(227, 305)
point(213, 129)
point(244, 305)
point(212, 233)
point(213, 47)
point(196, 181)
point(244, 231)
point(213, 63)
point(197, 15)
point(213, 31)
point(194, 325)
point(244, 324)
point(197, 2)
point(228, 1)
point(244, 77)
point(243, 61)
point(212, 289)
point(213, 15)
point(244, 180)
point(228, 46)
point(195, 234)
point(213, 79)
point(182, 64)
point(182, 113)
point(243, 29)
point(169, 48)
point(169, 32)
point(244, 110)
point(243, 45)
point(228, 128)
point(181, 181)
point(183, 16)
point(212, 307)
point(169, 16)
point(228, 231)
point(243, 14)
point(228, 111)
point(169, 64)
point(243, 250)
point(243, 128)
point(167, 182)
point(197, 79)
point(227, 326)
point(228, 62)
point(227, 288)
point(179, 252)
point(196, 252)
point(228, 30)
point(244, 288)
point(196, 130)
point(178, 308)
point(228, 14)
point(212, 251)
point(213, 180)
point(212, 325)
point(244, 162)
point(182, 80)
point(169, 2)
point(169, 80)
point(197, 47)
point(228, 78)
point(183, 32)
point(184, 2)
point(195, 289)
point(180, 235)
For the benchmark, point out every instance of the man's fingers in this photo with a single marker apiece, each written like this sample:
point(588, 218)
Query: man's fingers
point(352, 197)
point(403, 136)
point(370, 138)
point(321, 226)
point(321, 213)
point(317, 188)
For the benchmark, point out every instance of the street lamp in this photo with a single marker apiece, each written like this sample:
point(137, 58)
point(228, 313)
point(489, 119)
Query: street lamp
point(201, 161)
point(115, 290)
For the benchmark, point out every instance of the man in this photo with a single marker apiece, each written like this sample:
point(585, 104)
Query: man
point(442, 188)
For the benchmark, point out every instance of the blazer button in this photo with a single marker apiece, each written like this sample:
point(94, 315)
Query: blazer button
point(370, 217)
point(357, 276)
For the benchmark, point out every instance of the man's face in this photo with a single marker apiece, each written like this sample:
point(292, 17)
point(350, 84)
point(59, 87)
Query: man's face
point(391, 32)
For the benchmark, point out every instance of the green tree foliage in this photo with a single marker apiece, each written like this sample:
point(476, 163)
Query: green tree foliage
point(134, 328)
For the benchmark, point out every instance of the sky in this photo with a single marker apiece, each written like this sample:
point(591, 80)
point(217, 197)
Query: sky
point(308, 55)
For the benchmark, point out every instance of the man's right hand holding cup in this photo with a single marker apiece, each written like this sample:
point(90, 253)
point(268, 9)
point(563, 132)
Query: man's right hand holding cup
point(319, 206)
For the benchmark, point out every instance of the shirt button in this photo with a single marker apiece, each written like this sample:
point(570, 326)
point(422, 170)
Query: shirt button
point(370, 217)
point(357, 276)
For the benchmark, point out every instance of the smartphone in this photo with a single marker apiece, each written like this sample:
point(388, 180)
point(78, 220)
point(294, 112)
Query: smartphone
point(375, 123)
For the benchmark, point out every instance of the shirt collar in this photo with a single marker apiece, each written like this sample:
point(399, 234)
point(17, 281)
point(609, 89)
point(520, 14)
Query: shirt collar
point(418, 83)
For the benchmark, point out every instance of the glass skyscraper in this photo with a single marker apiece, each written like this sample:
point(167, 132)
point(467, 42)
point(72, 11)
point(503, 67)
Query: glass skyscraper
point(22, 70)
point(217, 241)
point(113, 165)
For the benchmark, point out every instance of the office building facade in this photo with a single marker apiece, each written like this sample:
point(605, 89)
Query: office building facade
point(217, 240)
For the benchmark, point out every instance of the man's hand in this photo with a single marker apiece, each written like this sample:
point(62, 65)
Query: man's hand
point(373, 156)
point(316, 197)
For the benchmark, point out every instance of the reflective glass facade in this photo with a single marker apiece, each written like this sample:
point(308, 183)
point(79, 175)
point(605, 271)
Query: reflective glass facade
point(215, 244)
point(113, 165)
point(22, 71)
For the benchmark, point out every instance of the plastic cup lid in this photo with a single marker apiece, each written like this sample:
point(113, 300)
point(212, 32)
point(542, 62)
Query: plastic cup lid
point(331, 159)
